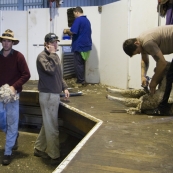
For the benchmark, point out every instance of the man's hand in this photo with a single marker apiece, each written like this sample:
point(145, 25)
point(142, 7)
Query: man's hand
point(50, 49)
point(66, 31)
point(13, 89)
point(67, 94)
point(152, 86)
point(144, 81)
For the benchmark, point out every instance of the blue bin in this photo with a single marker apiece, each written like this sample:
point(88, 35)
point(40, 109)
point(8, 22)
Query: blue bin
point(66, 37)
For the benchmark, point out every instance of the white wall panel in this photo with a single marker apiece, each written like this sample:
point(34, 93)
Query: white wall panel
point(17, 22)
point(38, 27)
point(114, 30)
point(143, 16)
point(92, 73)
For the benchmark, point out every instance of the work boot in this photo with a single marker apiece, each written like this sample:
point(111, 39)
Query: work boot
point(55, 161)
point(41, 154)
point(15, 147)
point(81, 84)
point(6, 160)
point(84, 84)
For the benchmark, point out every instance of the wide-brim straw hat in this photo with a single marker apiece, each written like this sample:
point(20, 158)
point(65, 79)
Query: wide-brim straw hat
point(8, 34)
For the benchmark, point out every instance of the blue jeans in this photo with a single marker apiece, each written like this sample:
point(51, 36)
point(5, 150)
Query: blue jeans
point(12, 113)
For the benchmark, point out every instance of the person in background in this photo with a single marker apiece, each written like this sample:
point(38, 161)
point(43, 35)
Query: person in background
point(81, 43)
point(166, 9)
point(50, 85)
point(156, 42)
point(14, 72)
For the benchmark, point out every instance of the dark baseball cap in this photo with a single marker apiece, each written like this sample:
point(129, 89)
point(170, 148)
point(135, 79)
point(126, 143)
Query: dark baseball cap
point(51, 37)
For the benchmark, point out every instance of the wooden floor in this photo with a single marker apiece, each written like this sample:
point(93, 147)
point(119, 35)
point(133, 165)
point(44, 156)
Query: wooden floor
point(124, 143)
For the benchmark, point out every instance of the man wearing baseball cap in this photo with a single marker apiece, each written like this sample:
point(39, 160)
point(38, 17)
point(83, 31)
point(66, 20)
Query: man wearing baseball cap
point(14, 72)
point(50, 85)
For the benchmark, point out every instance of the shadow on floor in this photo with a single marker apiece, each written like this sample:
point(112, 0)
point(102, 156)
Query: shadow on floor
point(23, 160)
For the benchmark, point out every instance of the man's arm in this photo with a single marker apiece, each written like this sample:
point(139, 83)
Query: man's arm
point(23, 69)
point(144, 68)
point(159, 70)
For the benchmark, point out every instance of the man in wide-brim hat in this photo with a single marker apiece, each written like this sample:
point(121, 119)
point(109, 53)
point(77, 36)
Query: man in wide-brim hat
point(9, 35)
point(14, 72)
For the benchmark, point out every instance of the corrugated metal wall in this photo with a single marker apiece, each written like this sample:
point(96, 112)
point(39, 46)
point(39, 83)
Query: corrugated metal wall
point(8, 5)
point(70, 3)
point(22, 4)
point(73, 3)
point(29, 4)
point(104, 2)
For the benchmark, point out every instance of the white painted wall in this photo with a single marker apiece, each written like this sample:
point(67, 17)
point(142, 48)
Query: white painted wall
point(114, 30)
point(143, 16)
point(38, 27)
point(17, 22)
point(92, 73)
point(108, 64)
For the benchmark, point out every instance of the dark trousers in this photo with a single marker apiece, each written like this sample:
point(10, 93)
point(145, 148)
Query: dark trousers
point(79, 66)
point(169, 81)
point(169, 15)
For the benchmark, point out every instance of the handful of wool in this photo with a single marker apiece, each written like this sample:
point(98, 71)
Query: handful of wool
point(6, 94)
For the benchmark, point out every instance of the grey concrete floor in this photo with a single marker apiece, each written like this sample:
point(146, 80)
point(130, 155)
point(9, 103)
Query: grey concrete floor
point(23, 160)
point(124, 143)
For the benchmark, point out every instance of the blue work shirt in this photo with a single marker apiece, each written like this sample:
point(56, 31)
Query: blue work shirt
point(81, 40)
